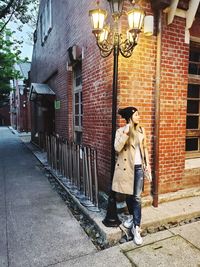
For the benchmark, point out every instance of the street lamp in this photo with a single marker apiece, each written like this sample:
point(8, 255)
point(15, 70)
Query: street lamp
point(110, 41)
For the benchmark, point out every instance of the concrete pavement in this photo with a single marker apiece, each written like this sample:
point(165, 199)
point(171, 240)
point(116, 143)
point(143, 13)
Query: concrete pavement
point(181, 205)
point(175, 248)
point(37, 229)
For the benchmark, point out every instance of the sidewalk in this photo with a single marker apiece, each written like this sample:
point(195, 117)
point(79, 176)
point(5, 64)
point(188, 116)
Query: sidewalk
point(36, 227)
point(175, 248)
point(38, 230)
point(181, 206)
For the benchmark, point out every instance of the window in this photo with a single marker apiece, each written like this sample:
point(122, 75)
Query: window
point(46, 21)
point(193, 104)
point(194, 61)
point(77, 100)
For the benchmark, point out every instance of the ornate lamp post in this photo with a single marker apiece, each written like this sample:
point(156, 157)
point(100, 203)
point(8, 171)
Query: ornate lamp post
point(110, 41)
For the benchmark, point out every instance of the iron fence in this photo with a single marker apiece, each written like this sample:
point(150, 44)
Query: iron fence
point(76, 167)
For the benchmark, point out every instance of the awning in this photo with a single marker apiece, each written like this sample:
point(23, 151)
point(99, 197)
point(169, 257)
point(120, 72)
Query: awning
point(39, 89)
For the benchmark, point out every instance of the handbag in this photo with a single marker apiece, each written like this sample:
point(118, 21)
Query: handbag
point(147, 173)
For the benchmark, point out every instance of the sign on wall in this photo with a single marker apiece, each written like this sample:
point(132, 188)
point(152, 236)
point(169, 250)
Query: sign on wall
point(57, 104)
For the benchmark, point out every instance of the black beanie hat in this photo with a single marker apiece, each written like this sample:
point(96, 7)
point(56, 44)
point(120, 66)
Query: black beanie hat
point(127, 113)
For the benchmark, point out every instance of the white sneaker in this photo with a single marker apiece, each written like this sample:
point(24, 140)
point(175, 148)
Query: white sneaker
point(128, 223)
point(137, 237)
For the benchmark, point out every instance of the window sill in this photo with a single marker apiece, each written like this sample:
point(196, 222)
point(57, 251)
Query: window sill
point(78, 128)
point(192, 163)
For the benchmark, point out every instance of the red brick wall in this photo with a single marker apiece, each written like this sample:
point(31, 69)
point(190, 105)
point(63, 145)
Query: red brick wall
point(75, 29)
point(71, 26)
point(174, 78)
point(136, 84)
point(97, 99)
point(49, 62)
point(135, 80)
point(191, 178)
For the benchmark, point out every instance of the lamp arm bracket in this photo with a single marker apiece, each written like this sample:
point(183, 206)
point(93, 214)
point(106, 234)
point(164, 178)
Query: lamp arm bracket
point(105, 47)
point(105, 54)
point(126, 48)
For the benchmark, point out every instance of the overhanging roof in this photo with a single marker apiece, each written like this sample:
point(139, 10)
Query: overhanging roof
point(186, 9)
point(40, 89)
point(24, 69)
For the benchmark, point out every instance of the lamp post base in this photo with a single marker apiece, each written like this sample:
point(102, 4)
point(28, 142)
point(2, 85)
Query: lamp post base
point(111, 219)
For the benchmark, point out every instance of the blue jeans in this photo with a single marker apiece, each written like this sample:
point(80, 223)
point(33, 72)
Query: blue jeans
point(134, 201)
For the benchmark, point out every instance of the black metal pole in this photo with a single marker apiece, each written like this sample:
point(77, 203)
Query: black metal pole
point(111, 219)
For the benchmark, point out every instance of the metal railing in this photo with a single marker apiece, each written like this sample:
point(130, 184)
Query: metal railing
point(76, 167)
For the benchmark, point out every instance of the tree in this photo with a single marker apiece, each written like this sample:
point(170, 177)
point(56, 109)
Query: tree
point(21, 12)
point(16, 9)
point(9, 56)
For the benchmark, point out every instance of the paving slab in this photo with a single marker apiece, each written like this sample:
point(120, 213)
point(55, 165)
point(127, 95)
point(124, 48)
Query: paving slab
point(112, 257)
point(173, 251)
point(149, 239)
point(191, 232)
point(37, 229)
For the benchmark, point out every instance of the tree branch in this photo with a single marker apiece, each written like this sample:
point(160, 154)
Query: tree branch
point(6, 9)
point(3, 27)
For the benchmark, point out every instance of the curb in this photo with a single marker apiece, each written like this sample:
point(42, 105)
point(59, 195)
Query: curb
point(112, 235)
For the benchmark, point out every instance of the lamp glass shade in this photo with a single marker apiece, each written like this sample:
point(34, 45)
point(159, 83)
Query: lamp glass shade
point(135, 19)
point(116, 6)
point(98, 17)
point(103, 36)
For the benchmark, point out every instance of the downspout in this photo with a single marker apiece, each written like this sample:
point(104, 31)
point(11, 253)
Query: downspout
point(157, 109)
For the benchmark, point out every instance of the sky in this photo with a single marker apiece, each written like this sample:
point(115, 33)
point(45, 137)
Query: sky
point(27, 45)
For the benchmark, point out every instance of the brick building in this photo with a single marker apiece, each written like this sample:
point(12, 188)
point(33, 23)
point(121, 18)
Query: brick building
point(161, 79)
point(4, 115)
point(19, 104)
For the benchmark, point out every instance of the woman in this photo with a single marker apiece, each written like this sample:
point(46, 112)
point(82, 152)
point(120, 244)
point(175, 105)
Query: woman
point(130, 143)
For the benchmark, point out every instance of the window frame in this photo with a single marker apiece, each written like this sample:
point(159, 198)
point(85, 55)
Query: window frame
point(46, 21)
point(194, 79)
point(78, 129)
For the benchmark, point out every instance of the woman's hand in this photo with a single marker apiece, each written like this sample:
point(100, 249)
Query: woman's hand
point(127, 128)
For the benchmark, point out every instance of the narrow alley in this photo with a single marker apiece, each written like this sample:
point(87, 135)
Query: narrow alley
point(36, 227)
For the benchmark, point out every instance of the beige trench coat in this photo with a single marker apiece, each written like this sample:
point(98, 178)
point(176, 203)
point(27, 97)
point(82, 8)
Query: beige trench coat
point(123, 179)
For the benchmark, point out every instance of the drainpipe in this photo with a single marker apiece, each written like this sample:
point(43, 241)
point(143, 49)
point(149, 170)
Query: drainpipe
point(157, 109)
